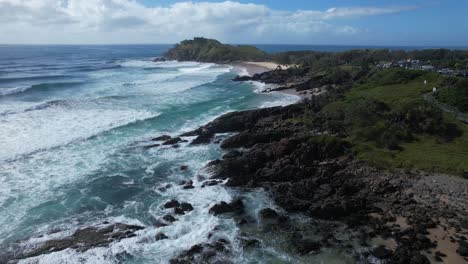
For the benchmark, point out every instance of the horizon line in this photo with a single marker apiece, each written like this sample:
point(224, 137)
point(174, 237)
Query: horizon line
point(252, 44)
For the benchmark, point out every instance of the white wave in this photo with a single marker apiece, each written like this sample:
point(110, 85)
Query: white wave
point(152, 64)
point(30, 131)
point(242, 71)
point(281, 99)
point(13, 90)
point(261, 87)
point(174, 82)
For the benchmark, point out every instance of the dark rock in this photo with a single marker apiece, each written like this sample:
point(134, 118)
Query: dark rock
point(419, 259)
point(243, 78)
point(188, 186)
point(268, 213)
point(169, 218)
point(178, 211)
point(186, 207)
point(463, 250)
point(161, 138)
point(159, 59)
point(213, 163)
point(172, 141)
point(306, 246)
point(210, 183)
point(85, 239)
point(171, 204)
point(381, 252)
point(158, 223)
point(250, 242)
point(160, 236)
point(232, 154)
point(223, 207)
point(203, 138)
point(151, 146)
point(183, 167)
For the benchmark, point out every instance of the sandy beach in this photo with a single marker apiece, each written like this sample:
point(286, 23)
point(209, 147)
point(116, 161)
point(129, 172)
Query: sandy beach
point(253, 67)
point(250, 68)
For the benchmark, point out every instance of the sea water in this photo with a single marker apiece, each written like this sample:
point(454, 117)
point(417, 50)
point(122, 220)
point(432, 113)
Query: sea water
point(74, 123)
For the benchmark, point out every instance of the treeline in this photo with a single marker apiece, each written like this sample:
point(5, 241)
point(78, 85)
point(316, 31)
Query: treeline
point(441, 58)
point(210, 50)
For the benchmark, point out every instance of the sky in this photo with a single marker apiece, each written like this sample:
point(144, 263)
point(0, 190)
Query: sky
point(314, 22)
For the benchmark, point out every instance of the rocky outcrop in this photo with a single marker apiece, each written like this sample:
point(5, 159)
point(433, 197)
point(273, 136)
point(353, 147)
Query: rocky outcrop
point(84, 239)
point(315, 174)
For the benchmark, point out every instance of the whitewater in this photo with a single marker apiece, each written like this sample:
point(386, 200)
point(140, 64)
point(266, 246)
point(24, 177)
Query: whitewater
point(74, 125)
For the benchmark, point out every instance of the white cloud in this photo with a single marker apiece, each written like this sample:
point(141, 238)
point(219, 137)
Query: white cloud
point(127, 21)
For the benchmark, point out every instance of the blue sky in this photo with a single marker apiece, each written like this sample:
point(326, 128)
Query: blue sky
point(406, 23)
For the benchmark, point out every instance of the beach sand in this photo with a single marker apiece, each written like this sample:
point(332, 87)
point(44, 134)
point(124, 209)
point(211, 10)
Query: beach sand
point(250, 68)
point(253, 67)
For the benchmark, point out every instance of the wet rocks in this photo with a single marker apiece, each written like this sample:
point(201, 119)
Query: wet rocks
point(169, 218)
point(232, 154)
point(268, 213)
point(463, 248)
point(204, 137)
point(186, 207)
point(214, 252)
point(159, 59)
point(188, 185)
point(419, 259)
point(85, 239)
point(160, 236)
point(171, 204)
point(305, 245)
point(209, 183)
point(151, 146)
point(161, 138)
point(178, 209)
point(381, 252)
point(223, 207)
point(183, 167)
point(172, 141)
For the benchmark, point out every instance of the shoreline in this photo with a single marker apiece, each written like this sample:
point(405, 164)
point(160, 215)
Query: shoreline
point(250, 68)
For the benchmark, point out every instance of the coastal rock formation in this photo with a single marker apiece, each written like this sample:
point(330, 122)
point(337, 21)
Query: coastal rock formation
point(315, 174)
point(83, 239)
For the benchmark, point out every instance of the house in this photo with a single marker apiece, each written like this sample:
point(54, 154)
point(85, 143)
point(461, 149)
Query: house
point(428, 68)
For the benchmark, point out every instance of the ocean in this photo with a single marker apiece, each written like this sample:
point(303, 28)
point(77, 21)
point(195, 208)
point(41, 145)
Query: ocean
point(74, 123)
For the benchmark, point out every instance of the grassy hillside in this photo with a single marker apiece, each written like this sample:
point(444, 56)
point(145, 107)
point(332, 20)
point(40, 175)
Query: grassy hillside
point(390, 125)
point(210, 50)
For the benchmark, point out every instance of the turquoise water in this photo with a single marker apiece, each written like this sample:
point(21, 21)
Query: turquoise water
point(74, 123)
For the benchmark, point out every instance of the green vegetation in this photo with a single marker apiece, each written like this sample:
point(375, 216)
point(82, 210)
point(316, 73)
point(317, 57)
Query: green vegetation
point(380, 113)
point(385, 118)
point(210, 50)
point(441, 58)
point(454, 92)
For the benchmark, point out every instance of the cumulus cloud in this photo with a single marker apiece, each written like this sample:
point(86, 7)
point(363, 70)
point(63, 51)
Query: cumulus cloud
point(127, 21)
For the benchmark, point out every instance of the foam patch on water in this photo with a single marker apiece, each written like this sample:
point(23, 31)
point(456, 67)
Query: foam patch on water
point(13, 90)
point(30, 131)
point(243, 72)
point(182, 79)
point(281, 99)
point(152, 64)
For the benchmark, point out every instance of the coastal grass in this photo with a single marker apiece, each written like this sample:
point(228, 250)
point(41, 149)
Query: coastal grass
point(426, 152)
